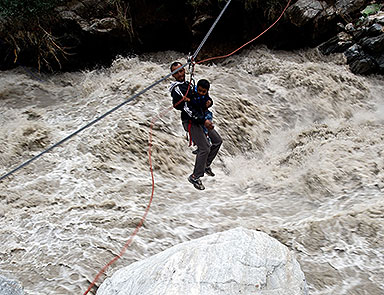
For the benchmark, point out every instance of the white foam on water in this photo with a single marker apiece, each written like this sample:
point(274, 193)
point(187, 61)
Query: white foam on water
point(302, 160)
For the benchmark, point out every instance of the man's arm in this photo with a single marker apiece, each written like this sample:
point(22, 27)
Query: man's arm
point(177, 97)
point(178, 94)
point(182, 103)
point(195, 115)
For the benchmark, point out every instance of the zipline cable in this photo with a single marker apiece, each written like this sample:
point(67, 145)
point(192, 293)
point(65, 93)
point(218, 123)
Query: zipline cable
point(154, 119)
point(89, 124)
point(210, 31)
point(145, 90)
point(190, 61)
point(250, 41)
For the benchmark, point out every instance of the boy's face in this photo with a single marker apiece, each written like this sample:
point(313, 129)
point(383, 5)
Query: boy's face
point(202, 91)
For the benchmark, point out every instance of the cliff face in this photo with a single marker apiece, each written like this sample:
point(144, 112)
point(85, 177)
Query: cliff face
point(86, 33)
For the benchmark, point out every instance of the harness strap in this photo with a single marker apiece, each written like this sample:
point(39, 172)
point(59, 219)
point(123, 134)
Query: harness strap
point(189, 132)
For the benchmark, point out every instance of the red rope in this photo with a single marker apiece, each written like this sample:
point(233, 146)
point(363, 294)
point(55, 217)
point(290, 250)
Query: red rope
point(127, 244)
point(124, 249)
point(154, 119)
point(250, 41)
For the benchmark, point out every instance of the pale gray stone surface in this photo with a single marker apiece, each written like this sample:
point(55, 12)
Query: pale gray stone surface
point(10, 287)
point(237, 261)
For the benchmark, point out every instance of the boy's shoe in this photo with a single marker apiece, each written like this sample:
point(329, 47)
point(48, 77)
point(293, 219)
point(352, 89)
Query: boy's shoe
point(196, 182)
point(195, 151)
point(209, 171)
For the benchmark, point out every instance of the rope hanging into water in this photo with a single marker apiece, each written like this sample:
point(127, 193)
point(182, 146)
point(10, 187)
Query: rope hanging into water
point(190, 62)
point(154, 119)
point(250, 41)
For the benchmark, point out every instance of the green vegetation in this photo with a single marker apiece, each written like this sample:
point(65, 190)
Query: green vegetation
point(23, 24)
point(30, 32)
point(367, 11)
point(42, 46)
point(26, 8)
point(123, 15)
point(195, 3)
point(372, 9)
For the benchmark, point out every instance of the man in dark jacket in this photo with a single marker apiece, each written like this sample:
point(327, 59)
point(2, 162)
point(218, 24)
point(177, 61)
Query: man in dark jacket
point(193, 121)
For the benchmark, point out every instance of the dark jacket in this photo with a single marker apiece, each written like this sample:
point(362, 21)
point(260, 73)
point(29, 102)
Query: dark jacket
point(200, 102)
point(188, 110)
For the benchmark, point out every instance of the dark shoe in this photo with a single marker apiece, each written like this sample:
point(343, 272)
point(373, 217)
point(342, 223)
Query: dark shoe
point(196, 182)
point(195, 151)
point(209, 171)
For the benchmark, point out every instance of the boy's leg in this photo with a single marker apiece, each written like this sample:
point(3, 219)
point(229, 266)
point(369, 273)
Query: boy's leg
point(216, 143)
point(200, 139)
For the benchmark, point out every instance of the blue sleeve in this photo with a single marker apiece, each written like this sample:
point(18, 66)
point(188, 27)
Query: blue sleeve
point(208, 115)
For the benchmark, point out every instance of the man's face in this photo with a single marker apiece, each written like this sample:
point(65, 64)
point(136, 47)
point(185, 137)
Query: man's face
point(179, 75)
point(201, 91)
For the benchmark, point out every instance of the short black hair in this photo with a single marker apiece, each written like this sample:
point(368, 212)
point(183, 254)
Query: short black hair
point(175, 64)
point(203, 83)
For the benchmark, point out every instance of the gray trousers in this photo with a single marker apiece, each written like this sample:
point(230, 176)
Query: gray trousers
point(207, 152)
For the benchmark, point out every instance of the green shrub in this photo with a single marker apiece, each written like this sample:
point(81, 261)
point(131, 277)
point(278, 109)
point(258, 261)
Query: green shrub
point(22, 29)
point(26, 8)
point(372, 9)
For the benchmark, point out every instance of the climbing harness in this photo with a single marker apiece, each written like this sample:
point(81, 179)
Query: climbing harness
point(191, 64)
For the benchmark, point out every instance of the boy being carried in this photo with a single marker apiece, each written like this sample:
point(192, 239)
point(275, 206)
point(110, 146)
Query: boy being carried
point(201, 101)
point(193, 121)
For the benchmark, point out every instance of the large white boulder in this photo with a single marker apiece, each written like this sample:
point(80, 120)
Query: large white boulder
point(10, 287)
point(237, 261)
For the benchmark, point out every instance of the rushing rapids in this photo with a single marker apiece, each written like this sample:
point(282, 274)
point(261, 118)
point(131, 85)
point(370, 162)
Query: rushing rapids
point(302, 160)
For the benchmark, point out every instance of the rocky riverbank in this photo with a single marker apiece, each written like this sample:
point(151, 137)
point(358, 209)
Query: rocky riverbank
point(86, 33)
point(362, 42)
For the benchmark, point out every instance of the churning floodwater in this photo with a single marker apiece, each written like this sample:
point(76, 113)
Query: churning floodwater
point(302, 160)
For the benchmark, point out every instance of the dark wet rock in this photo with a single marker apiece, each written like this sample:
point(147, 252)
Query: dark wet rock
point(373, 44)
point(360, 62)
point(337, 44)
point(88, 33)
point(376, 29)
point(319, 19)
point(380, 63)
point(362, 42)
